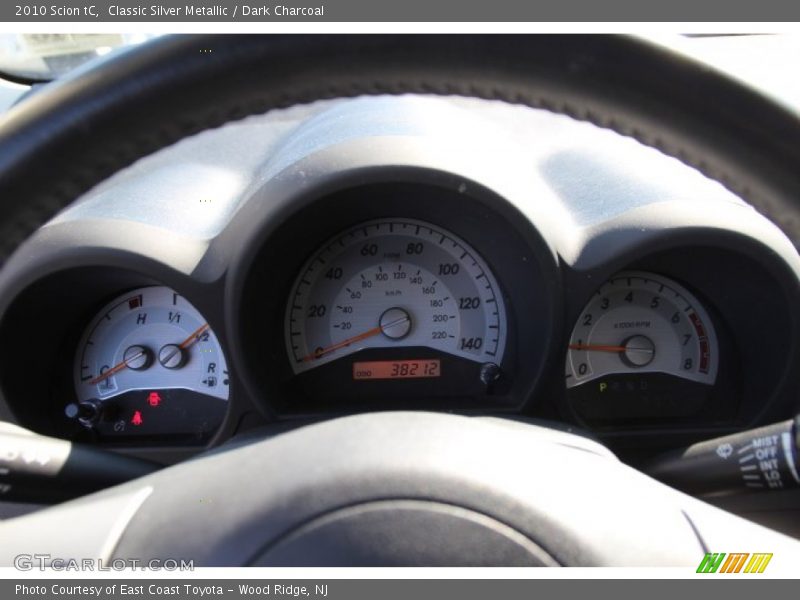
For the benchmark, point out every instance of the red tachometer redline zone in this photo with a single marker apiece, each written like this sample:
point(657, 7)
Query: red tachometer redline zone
point(396, 369)
point(705, 350)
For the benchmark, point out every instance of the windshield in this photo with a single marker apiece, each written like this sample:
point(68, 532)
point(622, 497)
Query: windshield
point(45, 56)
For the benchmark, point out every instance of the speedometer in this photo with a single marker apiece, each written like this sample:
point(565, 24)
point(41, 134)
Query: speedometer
point(389, 286)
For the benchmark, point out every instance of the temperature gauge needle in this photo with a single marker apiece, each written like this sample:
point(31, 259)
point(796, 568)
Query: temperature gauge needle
point(115, 369)
point(356, 338)
point(597, 348)
point(124, 364)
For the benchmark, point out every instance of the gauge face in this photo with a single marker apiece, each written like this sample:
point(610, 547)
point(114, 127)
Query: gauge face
point(395, 284)
point(641, 339)
point(148, 364)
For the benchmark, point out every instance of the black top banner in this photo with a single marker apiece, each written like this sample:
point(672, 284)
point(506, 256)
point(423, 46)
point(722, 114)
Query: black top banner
point(465, 11)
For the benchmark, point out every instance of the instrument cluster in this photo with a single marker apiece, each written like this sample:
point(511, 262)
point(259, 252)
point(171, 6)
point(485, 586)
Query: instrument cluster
point(402, 270)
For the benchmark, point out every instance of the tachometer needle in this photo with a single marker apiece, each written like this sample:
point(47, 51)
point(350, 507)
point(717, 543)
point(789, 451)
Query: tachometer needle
point(124, 364)
point(356, 338)
point(597, 348)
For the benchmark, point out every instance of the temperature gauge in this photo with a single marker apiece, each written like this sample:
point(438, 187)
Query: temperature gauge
point(149, 364)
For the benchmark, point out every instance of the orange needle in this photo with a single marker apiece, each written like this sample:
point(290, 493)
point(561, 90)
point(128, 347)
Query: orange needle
point(356, 338)
point(352, 340)
point(597, 347)
point(124, 364)
point(186, 343)
point(194, 337)
point(114, 369)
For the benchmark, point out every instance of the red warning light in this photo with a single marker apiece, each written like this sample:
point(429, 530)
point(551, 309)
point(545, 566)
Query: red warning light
point(137, 418)
point(154, 399)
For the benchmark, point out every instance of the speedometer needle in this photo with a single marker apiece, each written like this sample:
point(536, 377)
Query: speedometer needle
point(356, 338)
point(124, 364)
point(597, 347)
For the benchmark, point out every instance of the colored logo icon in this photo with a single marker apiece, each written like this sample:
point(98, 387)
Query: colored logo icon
point(716, 562)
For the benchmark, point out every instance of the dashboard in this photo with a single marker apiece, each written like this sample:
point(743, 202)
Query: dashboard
point(401, 253)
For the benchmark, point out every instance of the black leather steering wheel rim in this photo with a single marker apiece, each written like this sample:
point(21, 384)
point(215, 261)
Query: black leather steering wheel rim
point(393, 489)
point(80, 130)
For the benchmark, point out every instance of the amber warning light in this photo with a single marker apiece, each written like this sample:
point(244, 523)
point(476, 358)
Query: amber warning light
point(396, 369)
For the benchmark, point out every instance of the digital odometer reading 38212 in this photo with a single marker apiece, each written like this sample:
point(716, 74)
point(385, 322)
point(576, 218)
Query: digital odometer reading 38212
point(394, 283)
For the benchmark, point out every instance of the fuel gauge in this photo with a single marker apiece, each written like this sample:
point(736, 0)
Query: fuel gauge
point(149, 365)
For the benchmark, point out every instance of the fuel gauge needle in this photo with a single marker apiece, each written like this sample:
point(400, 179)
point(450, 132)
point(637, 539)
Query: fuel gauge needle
point(172, 350)
point(194, 337)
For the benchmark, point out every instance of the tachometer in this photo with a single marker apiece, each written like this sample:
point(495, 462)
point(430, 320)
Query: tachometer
point(643, 348)
point(392, 285)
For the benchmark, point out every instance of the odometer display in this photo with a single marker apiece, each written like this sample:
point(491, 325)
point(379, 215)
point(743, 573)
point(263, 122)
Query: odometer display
point(394, 284)
point(396, 369)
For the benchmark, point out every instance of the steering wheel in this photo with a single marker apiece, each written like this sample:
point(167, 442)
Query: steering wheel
point(390, 488)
